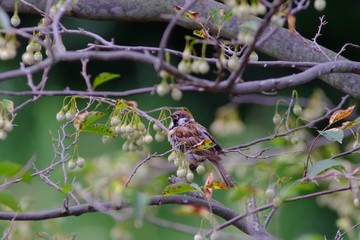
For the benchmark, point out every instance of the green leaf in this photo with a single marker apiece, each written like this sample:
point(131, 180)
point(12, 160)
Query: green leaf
point(228, 15)
point(243, 190)
point(103, 78)
point(178, 188)
point(9, 200)
point(140, 203)
point(292, 190)
point(215, 14)
point(220, 16)
point(324, 165)
point(26, 177)
point(138, 200)
point(99, 129)
point(357, 120)
point(67, 188)
point(9, 169)
point(92, 117)
point(333, 134)
point(9, 105)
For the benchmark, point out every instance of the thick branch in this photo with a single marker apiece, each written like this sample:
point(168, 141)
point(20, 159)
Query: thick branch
point(328, 68)
point(281, 44)
point(216, 207)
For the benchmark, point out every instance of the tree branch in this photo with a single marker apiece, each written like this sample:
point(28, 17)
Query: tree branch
point(216, 207)
point(293, 47)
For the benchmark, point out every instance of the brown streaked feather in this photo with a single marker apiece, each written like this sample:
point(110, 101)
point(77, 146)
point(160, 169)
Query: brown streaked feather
point(187, 135)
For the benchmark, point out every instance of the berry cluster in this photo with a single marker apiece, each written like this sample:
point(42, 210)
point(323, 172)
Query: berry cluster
point(78, 162)
point(160, 134)
point(297, 110)
point(67, 112)
point(179, 159)
point(33, 53)
point(164, 87)
point(133, 131)
point(7, 46)
point(245, 10)
point(197, 66)
point(6, 125)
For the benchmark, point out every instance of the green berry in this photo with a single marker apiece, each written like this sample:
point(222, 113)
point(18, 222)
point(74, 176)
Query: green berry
point(72, 164)
point(184, 67)
point(276, 119)
point(125, 147)
point(297, 110)
point(38, 57)
point(8, 127)
point(80, 162)
point(186, 54)
point(320, 5)
point(233, 63)
point(148, 138)
point(129, 129)
point(15, 20)
point(200, 169)
point(3, 134)
point(28, 58)
point(176, 94)
point(106, 139)
point(115, 120)
point(117, 129)
point(163, 89)
point(159, 137)
point(69, 115)
point(2, 122)
point(156, 127)
point(189, 177)
point(172, 156)
point(60, 116)
point(270, 193)
point(195, 66)
point(276, 202)
point(198, 237)
point(181, 173)
point(204, 67)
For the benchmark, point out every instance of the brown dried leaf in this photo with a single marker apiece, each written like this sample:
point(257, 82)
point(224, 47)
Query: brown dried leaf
point(341, 114)
point(188, 13)
point(207, 190)
point(79, 119)
point(291, 23)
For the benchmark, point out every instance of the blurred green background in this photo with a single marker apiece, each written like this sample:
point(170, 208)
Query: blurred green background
point(31, 135)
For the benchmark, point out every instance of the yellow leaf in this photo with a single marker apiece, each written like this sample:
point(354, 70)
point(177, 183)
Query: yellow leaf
point(217, 185)
point(203, 145)
point(201, 33)
point(341, 114)
point(347, 125)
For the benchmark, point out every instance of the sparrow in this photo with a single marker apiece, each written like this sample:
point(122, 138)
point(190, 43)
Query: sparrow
point(186, 135)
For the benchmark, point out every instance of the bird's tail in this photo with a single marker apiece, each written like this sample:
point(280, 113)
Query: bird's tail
point(228, 180)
